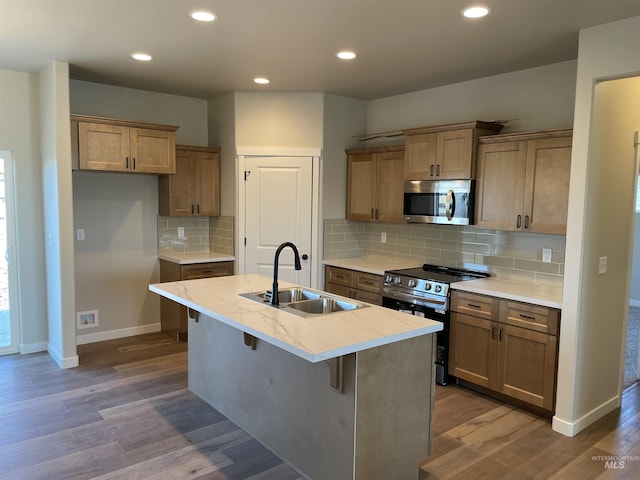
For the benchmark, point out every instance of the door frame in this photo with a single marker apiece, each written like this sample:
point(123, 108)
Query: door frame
point(314, 155)
point(15, 321)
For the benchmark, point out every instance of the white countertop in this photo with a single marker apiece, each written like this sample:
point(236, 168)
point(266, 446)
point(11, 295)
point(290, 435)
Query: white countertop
point(375, 265)
point(188, 258)
point(527, 292)
point(313, 338)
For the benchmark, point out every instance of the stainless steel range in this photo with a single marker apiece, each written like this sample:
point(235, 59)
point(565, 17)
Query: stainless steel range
point(425, 292)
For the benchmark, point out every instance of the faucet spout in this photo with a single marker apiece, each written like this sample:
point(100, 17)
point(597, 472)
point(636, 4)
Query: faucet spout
point(275, 301)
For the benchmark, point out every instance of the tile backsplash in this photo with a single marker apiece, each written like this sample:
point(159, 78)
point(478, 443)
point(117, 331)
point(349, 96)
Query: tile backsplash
point(195, 234)
point(505, 254)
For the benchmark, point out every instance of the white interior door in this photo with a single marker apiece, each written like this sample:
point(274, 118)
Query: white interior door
point(278, 208)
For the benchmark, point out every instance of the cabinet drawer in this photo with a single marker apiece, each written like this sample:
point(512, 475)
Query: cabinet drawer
point(532, 317)
point(206, 270)
point(338, 289)
point(368, 281)
point(369, 297)
point(340, 276)
point(474, 304)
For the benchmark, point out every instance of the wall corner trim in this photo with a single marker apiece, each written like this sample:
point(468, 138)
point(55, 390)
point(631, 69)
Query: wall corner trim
point(571, 429)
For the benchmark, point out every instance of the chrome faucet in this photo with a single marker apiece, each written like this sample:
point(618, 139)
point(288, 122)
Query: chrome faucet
point(275, 301)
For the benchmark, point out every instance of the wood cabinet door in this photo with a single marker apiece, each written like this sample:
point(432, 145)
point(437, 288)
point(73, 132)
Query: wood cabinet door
point(420, 156)
point(361, 187)
point(547, 188)
point(152, 151)
point(390, 187)
point(454, 155)
point(177, 191)
point(103, 147)
point(207, 183)
point(472, 349)
point(500, 185)
point(526, 363)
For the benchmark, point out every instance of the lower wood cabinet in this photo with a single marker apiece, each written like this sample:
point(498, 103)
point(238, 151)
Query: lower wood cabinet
point(363, 286)
point(173, 316)
point(507, 347)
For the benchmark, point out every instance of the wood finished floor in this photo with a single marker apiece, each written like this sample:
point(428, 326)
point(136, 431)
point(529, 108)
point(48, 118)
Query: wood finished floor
point(126, 413)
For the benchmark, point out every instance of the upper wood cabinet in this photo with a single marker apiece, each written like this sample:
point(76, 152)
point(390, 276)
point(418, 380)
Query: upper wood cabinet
point(523, 182)
point(112, 145)
point(194, 190)
point(446, 152)
point(375, 184)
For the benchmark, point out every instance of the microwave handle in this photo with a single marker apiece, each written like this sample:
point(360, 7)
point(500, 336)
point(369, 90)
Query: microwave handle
point(450, 206)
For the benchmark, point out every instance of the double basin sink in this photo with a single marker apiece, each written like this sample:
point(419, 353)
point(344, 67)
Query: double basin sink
point(304, 302)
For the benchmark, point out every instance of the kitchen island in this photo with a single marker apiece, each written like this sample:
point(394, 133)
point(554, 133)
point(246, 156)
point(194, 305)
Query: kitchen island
point(344, 395)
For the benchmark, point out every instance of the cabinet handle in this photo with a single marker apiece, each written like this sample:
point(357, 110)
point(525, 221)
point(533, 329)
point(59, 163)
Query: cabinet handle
point(527, 317)
point(493, 333)
point(473, 305)
point(372, 217)
point(377, 216)
point(500, 334)
point(526, 221)
point(198, 208)
point(519, 221)
point(134, 163)
point(368, 282)
point(126, 163)
point(192, 209)
point(438, 170)
point(431, 171)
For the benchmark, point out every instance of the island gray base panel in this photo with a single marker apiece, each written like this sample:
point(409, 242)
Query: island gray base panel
point(379, 426)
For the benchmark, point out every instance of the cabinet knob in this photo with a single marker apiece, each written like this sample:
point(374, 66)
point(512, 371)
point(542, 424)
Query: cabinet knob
point(305, 256)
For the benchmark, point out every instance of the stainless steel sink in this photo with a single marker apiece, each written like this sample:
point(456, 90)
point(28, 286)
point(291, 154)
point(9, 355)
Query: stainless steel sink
point(289, 295)
point(304, 302)
point(323, 305)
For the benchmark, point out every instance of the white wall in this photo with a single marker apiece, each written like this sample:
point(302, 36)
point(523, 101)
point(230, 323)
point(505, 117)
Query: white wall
point(118, 259)
point(533, 99)
point(635, 278)
point(20, 134)
point(344, 118)
point(279, 119)
point(587, 361)
point(221, 118)
point(58, 217)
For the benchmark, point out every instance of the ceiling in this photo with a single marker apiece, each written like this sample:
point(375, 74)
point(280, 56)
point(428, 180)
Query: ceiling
point(402, 45)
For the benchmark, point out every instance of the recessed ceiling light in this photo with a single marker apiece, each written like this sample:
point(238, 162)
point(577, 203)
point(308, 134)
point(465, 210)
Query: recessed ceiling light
point(142, 57)
point(346, 55)
point(203, 16)
point(477, 11)
point(261, 80)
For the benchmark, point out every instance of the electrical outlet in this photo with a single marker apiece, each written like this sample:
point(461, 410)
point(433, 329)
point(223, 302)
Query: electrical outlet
point(88, 319)
point(602, 265)
point(383, 237)
point(180, 232)
point(80, 234)
point(546, 255)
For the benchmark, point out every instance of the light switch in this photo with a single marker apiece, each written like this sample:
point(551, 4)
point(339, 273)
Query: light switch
point(80, 234)
point(602, 266)
point(546, 255)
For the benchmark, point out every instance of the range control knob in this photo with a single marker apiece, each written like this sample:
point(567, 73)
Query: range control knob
point(438, 288)
point(388, 279)
point(427, 286)
point(397, 281)
point(411, 283)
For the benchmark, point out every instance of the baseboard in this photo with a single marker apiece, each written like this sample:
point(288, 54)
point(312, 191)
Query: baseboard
point(68, 362)
point(571, 429)
point(634, 303)
point(26, 348)
point(113, 334)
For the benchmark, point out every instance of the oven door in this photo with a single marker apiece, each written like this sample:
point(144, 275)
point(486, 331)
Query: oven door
point(442, 337)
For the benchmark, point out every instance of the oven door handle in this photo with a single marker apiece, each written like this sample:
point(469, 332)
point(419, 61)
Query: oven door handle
point(416, 299)
point(450, 205)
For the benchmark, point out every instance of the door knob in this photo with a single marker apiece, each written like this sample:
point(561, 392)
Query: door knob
point(305, 256)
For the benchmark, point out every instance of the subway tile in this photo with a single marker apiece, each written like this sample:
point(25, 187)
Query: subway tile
point(482, 248)
point(459, 236)
point(494, 261)
point(535, 266)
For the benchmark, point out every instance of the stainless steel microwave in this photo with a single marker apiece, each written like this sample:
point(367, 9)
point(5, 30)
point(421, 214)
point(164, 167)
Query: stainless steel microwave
point(439, 201)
